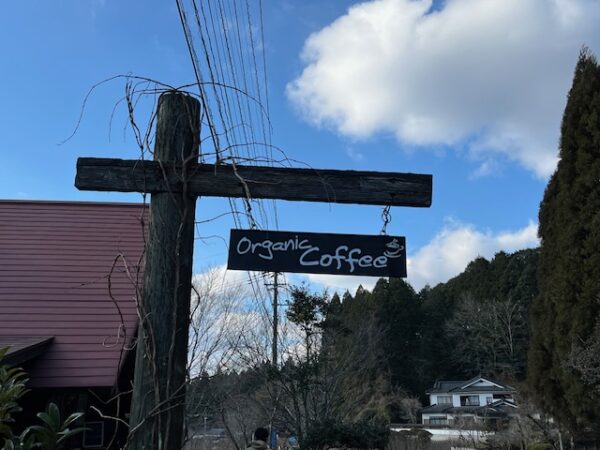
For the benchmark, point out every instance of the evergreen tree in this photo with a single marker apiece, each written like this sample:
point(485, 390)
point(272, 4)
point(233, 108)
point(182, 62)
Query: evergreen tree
point(356, 308)
point(332, 325)
point(398, 312)
point(565, 311)
point(508, 279)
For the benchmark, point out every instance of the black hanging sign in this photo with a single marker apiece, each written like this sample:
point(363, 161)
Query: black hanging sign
point(336, 254)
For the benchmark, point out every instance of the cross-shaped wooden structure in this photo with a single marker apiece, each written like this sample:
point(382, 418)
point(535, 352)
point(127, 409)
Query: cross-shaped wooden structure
point(175, 179)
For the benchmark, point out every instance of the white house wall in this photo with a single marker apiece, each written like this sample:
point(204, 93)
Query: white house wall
point(447, 434)
point(433, 398)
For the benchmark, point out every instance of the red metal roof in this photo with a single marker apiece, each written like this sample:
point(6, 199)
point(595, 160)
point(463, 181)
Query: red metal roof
point(57, 260)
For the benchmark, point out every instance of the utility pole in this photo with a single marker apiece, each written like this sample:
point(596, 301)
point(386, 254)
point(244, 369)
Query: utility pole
point(274, 349)
point(275, 316)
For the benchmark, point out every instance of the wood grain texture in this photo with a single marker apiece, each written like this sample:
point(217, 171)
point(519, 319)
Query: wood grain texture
point(332, 186)
point(158, 399)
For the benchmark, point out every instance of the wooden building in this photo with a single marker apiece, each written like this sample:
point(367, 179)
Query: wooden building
point(70, 276)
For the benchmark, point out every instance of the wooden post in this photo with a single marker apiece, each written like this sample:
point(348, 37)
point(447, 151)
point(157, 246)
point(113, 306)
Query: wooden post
point(158, 401)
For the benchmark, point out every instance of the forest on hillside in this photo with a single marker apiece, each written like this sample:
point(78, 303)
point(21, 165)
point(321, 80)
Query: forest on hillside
point(369, 357)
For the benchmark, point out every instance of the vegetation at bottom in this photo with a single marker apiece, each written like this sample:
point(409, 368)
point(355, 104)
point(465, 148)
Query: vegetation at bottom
point(51, 434)
point(337, 434)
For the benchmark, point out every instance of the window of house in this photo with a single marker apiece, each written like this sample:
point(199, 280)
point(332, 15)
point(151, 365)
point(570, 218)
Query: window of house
point(93, 436)
point(444, 399)
point(469, 400)
point(438, 420)
point(489, 400)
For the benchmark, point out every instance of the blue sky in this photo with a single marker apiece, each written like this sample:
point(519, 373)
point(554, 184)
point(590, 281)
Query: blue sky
point(471, 92)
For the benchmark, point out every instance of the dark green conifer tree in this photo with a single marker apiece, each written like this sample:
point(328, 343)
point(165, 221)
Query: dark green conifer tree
point(357, 307)
point(332, 326)
point(398, 312)
point(566, 308)
point(507, 278)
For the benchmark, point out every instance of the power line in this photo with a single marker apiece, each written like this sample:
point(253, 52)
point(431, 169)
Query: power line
point(228, 56)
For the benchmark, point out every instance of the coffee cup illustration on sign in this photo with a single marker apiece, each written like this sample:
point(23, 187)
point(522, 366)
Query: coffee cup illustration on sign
point(394, 249)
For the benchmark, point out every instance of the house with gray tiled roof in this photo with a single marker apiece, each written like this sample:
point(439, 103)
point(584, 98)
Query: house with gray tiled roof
point(478, 400)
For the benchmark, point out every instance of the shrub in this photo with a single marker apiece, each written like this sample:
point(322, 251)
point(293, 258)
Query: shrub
point(50, 435)
point(539, 446)
point(334, 434)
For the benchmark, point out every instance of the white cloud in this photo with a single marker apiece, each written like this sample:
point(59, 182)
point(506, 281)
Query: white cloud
point(492, 75)
point(456, 245)
point(218, 279)
point(341, 283)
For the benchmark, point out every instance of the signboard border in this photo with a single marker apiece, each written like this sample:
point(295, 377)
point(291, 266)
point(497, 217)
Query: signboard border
point(397, 270)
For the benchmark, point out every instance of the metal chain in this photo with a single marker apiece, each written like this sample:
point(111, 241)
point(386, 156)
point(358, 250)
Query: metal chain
point(387, 218)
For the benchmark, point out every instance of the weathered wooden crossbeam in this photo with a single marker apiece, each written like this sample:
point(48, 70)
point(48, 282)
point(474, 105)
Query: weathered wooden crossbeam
point(333, 186)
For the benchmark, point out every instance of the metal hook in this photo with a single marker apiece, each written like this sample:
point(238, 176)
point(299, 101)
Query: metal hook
point(386, 217)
